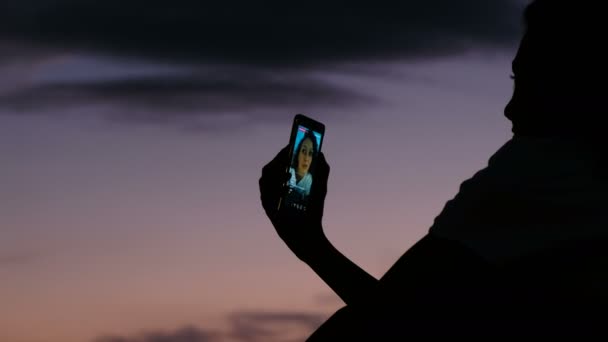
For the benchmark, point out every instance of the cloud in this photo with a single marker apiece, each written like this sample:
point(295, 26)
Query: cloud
point(249, 326)
point(205, 61)
point(185, 334)
point(273, 326)
point(191, 98)
point(270, 33)
point(182, 98)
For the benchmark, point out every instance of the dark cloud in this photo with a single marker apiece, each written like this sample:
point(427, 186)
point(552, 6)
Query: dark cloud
point(182, 97)
point(270, 32)
point(185, 334)
point(248, 326)
point(273, 326)
point(264, 53)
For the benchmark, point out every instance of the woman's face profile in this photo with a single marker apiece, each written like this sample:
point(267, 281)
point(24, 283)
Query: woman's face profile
point(305, 157)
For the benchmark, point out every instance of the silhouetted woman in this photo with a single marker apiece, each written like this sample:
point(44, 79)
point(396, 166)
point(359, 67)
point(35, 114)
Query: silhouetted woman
point(521, 250)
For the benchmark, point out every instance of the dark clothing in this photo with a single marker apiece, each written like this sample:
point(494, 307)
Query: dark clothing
point(439, 288)
point(534, 194)
point(520, 251)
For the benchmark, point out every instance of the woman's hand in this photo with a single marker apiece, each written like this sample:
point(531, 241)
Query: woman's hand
point(303, 234)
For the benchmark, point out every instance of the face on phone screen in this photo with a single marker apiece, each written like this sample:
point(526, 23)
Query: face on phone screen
point(302, 167)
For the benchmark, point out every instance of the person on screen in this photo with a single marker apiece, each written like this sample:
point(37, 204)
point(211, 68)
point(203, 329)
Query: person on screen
point(300, 176)
point(521, 251)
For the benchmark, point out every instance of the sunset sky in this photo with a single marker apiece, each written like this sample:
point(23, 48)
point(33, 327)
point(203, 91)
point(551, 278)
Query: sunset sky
point(132, 137)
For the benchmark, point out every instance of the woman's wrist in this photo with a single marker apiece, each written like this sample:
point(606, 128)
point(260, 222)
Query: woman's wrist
point(319, 250)
point(349, 281)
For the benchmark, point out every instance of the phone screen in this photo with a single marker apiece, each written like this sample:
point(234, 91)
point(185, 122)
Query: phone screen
point(306, 148)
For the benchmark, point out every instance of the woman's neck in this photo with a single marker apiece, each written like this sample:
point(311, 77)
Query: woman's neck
point(300, 176)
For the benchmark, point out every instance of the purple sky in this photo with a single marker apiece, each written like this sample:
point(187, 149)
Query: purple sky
point(129, 206)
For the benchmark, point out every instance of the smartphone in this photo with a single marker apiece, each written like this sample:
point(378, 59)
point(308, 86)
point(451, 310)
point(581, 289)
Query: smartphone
point(305, 143)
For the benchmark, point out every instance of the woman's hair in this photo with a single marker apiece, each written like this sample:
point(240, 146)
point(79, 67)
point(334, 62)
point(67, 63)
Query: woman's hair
point(568, 40)
point(315, 148)
point(562, 59)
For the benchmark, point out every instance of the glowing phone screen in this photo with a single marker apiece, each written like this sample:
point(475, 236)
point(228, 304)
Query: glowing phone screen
point(302, 168)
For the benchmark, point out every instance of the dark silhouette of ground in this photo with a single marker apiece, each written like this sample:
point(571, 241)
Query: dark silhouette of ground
point(522, 250)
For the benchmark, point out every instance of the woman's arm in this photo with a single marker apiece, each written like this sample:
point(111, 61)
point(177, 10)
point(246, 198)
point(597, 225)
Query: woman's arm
point(350, 282)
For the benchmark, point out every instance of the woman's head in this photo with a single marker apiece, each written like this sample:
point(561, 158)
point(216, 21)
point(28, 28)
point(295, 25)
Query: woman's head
point(305, 154)
point(556, 70)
